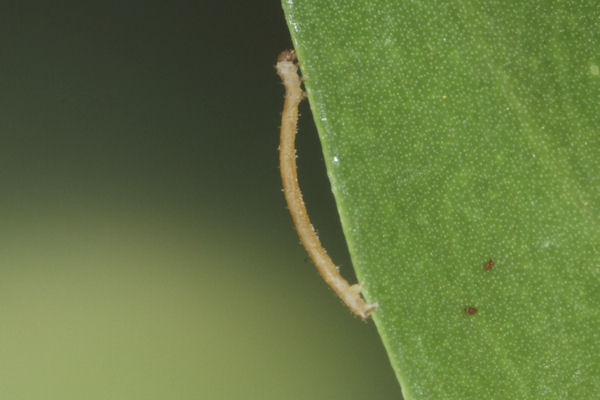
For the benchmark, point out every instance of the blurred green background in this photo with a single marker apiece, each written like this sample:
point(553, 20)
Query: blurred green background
point(146, 251)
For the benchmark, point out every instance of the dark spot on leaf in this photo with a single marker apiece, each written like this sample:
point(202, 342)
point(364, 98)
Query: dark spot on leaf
point(470, 310)
point(490, 264)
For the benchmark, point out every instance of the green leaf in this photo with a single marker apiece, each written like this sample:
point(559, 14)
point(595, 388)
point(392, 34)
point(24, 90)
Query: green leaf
point(456, 132)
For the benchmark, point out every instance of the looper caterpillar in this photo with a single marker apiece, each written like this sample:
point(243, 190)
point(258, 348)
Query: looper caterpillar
point(350, 294)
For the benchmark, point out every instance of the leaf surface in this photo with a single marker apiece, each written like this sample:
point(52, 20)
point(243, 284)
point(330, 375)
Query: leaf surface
point(456, 132)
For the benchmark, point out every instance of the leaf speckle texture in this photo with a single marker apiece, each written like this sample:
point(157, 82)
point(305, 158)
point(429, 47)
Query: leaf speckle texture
point(456, 132)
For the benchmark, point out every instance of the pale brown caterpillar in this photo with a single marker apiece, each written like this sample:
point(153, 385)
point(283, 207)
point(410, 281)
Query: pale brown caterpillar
point(287, 68)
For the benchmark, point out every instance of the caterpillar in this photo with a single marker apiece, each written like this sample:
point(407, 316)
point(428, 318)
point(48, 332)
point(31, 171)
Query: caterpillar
point(287, 69)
